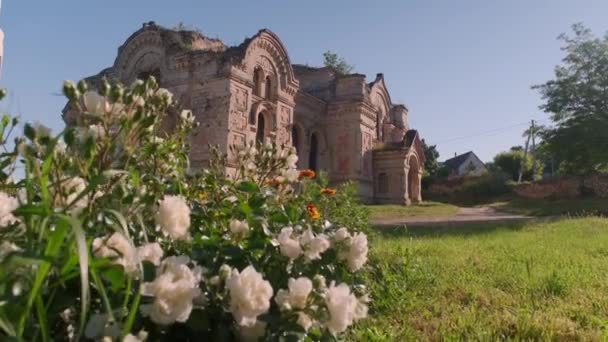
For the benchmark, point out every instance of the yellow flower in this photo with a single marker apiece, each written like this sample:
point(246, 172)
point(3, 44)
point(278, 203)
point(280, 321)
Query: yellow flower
point(202, 196)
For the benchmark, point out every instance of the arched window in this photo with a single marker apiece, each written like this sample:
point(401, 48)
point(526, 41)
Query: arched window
point(382, 183)
point(258, 77)
point(268, 92)
point(294, 137)
point(259, 135)
point(314, 146)
point(379, 126)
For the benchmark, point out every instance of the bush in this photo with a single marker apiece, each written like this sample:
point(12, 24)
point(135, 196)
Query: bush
point(469, 190)
point(109, 235)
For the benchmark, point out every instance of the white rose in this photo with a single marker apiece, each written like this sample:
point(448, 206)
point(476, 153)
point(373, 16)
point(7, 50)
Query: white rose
point(60, 147)
point(151, 252)
point(173, 217)
point(252, 333)
point(118, 248)
point(165, 94)
point(139, 101)
point(314, 245)
point(250, 295)
point(344, 308)
point(292, 160)
point(231, 199)
point(299, 289)
point(141, 337)
point(8, 204)
point(239, 228)
point(67, 192)
point(187, 116)
point(356, 252)
point(95, 103)
point(296, 296)
point(174, 289)
point(304, 320)
point(6, 248)
point(96, 131)
point(289, 247)
point(291, 175)
point(341, 234)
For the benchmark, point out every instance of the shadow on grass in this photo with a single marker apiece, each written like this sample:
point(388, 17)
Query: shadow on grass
point(451, 229)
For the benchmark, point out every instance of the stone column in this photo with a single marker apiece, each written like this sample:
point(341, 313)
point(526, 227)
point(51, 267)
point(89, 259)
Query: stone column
point(406, 187)
point(416, 196)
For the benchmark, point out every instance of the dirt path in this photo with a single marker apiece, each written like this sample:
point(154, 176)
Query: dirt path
point(463, 215)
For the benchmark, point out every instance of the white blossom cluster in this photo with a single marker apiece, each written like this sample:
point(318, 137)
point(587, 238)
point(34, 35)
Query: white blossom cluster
point(351, 248)
point(141, 216)
point(8, 204)
point(118, 248)
point(175, 290)
point(255, 160)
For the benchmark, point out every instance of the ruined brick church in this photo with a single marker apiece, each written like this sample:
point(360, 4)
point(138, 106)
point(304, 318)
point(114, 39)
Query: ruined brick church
point(340, 124)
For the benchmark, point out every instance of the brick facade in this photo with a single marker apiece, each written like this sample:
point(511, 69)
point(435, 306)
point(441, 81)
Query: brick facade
point(338, 123)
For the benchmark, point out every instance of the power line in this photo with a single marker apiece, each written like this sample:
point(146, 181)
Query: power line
point(487, 133)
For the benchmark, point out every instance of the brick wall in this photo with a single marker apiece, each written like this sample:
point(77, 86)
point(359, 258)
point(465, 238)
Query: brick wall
point(570, 187)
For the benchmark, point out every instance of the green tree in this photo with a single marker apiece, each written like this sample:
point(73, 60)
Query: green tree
point(431, 166)
point(577, 100)
point(510, 161)
point(337, 63)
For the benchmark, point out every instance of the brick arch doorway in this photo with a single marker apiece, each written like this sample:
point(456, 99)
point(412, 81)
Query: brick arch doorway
point(414, 176)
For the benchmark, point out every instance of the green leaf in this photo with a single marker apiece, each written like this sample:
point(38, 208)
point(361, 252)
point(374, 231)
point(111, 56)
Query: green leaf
point(6, 325)
point(69, 137)
point(29, 131)
point(83, 260)
point(32, 209)
point(257, 201)
point(292, 213)
point(52, 248)
point(149, 271)
point(116, 276)
point(245, 209)
point(42, 319)
point(249, 187)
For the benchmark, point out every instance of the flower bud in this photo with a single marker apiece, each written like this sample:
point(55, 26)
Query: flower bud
point(82, 86)
point(69, 90)
point(319, 282)
point(225, 271)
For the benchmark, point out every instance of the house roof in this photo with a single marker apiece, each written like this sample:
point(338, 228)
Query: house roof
point(454, 163)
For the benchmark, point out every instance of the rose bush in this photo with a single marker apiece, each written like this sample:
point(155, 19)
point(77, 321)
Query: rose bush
point(110, 236)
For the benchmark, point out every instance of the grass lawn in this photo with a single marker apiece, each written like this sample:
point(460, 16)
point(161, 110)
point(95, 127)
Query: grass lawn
point(573, 207)
point(526, 281)
point(425, 209)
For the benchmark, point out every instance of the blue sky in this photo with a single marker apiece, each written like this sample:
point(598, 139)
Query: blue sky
point(464, 68)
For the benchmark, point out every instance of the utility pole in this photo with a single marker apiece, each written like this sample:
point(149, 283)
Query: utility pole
point(523, 161)
point(533, 151)
point(1, 44)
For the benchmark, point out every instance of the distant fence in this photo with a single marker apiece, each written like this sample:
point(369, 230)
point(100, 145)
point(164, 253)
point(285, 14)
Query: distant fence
point(567, 187)
point(555, 188)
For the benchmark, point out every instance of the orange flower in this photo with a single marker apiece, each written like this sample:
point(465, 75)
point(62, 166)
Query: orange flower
point(312, 211)
point(308, 173)
point(328, 191)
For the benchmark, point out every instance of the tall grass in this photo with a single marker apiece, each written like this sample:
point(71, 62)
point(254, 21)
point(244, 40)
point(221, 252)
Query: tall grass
point(534, 281)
